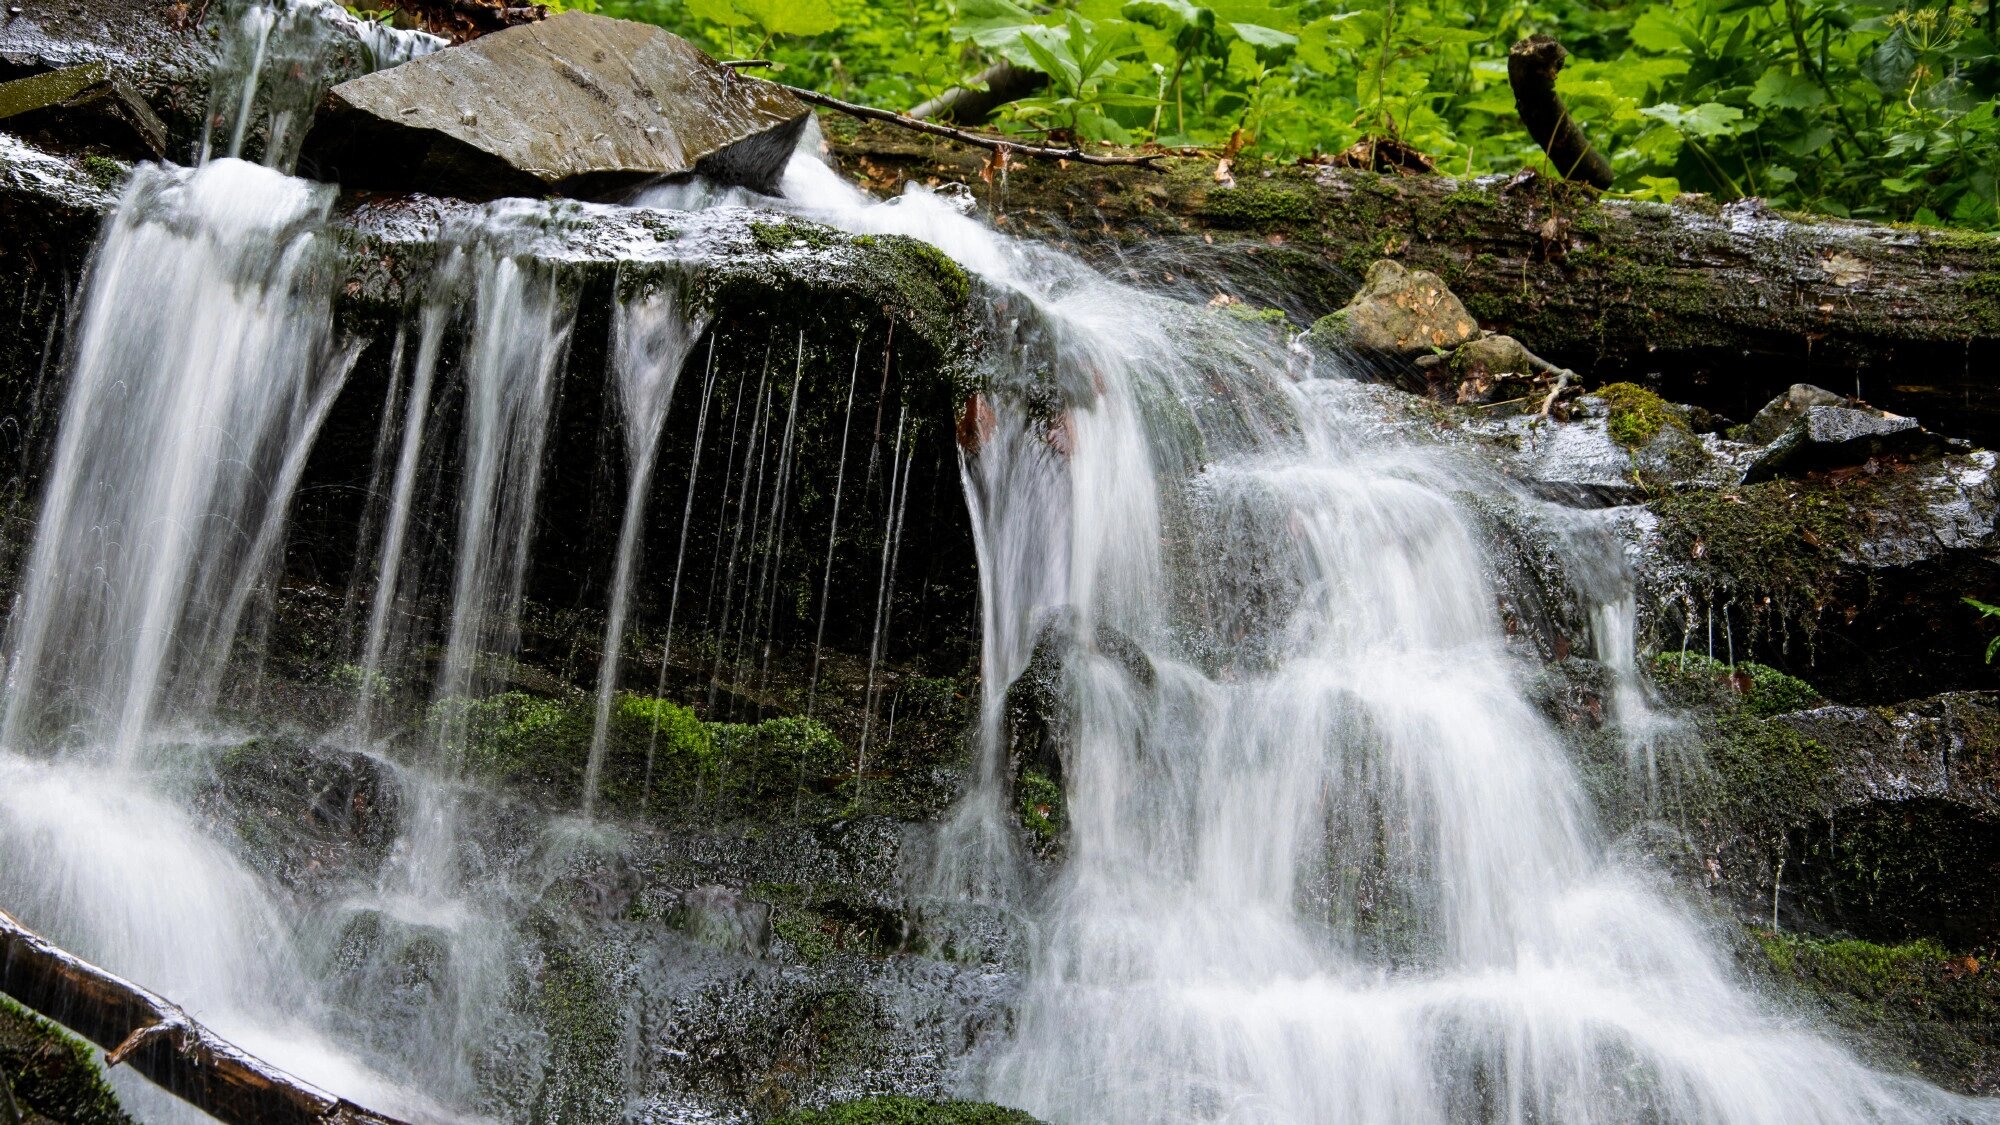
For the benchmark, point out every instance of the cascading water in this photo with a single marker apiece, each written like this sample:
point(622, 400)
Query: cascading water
point(654, 334)
point(1327, 863)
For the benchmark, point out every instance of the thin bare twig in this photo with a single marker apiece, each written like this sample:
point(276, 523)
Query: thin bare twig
point(1010, 148)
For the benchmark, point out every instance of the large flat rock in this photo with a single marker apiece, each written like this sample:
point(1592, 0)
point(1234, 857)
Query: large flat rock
point(579, 105)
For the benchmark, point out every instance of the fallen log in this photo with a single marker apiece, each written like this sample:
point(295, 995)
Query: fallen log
point(160, 1041)
point(1724, 306)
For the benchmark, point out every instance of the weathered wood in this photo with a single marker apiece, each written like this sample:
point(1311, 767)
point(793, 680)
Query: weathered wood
point(1532, 66)
point(1001, 147)
point(1721, 305)
point(160, 1041)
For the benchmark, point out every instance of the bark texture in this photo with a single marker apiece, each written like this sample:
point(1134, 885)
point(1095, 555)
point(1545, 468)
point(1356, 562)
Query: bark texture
point(160, 1041)
point(1725, 306)
point(1532, 66)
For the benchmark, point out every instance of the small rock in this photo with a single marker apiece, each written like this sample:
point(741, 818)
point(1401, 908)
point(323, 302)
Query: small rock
point(1487, 365)
point(1828, 437)
point(1779, 414)
point(725, 918)
point(578, 104)
point(1398, 312)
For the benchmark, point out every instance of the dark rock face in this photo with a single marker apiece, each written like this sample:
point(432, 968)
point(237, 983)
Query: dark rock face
point(579, 105)
point(85, 101)
point(308, 812)
point(1778, 415)
point(1828, 437)
point(725, 918)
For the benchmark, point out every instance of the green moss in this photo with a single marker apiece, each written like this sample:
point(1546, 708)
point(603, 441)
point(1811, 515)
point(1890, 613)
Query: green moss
point(1762, 773)
point(1043, 812)
point(1919, 1006)
point(53, 1073)
point(660, 758)
point(907, 1111)
point(585, 1080)
point(1859, 967)
point(787, 233)
point(1260, 206)
point(1637, 415)
point(1693, 679)
point(104, 169)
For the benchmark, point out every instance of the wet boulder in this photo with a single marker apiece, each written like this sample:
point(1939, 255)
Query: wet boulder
point(1492, 368)
point(579, 105)
point(308, 815)
point(725, 918)
point(1778, 415)
point(1829, 437)
point(1849, 578)
point(84, 102)
point(1399, 313)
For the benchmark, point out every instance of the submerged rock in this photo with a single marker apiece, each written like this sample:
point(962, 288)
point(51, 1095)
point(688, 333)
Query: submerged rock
point(725, 918)
point(578, 105)
point(1828, 437)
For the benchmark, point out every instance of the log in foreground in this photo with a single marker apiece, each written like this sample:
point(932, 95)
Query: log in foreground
point(1725, 306)
point(160, 1041)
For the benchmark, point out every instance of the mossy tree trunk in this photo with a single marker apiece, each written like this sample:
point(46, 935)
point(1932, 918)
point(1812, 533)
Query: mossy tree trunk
point(1725, 306)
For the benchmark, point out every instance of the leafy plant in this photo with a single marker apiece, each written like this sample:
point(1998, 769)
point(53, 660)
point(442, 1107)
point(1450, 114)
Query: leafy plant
point(1992, 646)
point(1878, 108)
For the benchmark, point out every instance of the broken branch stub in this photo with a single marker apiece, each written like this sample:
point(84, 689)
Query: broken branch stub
point(159, 1040)
point(1532, 66)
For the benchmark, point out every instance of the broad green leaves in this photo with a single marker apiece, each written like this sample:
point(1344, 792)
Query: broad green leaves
point(1879, 108)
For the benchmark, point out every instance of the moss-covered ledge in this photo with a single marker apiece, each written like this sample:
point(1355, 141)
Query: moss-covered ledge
point(53, 1074)
point(1728, 304)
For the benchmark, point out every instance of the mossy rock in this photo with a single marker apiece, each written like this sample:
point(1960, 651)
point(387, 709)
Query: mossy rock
point(1690, 679)
point(907, 1111)
point(1914, 1002)
point(1638, 416)
point(54, 1075)
point(660, 758)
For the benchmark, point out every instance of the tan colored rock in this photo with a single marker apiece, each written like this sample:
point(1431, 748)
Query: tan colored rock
point(1486, 365)
point(1400, 312)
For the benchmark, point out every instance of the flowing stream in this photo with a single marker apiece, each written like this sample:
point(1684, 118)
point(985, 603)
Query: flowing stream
point(1327, 863)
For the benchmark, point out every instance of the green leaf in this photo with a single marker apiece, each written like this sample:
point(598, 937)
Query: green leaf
point(1170, 15)
point(1778, 89)
point(1709, 119)
point(1264, 38)
point(791, 17)
point(719, 12)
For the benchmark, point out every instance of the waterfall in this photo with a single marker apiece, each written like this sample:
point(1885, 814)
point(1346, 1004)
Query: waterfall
point(653, 334)
point(1326, 863)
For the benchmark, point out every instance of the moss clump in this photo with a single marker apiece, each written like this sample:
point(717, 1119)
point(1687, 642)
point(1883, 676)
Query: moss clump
point(1691, 679)
point(660, 758)
point(1920, 1004)
point(907, 1111)
point(1859, 967)
point(1043, 812)
point(787, 233)
point(53, 1074)
point(1763, 771)
point(585, 1079)
point(1637, 415)
point(1260, 206)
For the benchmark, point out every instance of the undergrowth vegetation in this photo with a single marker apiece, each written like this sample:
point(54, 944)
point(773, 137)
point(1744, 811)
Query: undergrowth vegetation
point(1876, 108)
